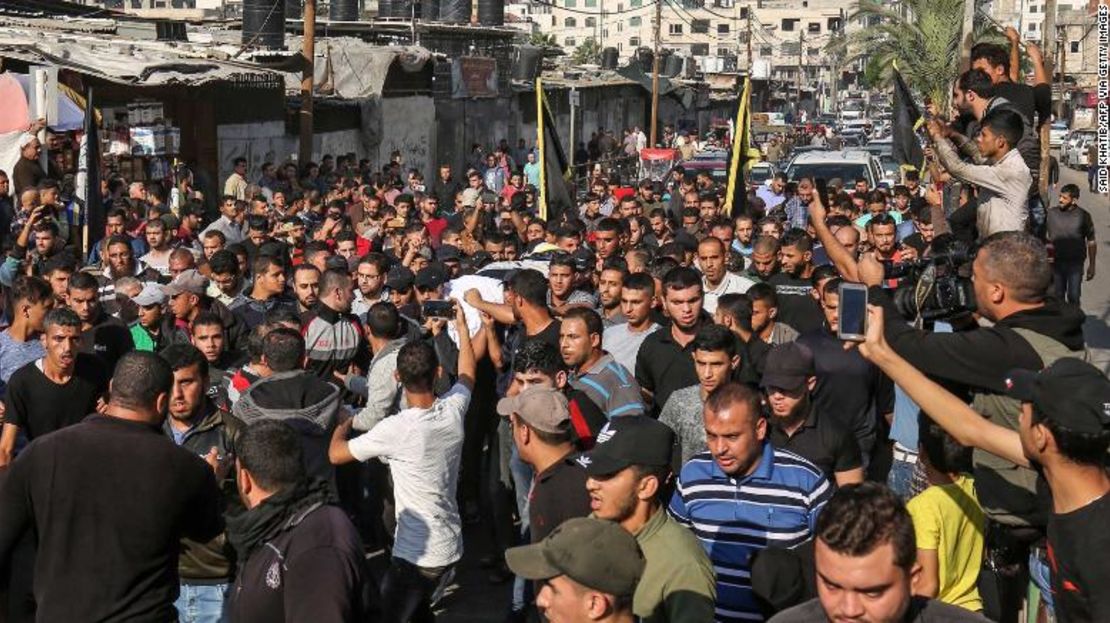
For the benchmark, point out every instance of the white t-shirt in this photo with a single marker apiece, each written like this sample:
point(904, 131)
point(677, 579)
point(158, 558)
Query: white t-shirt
point(731, 284)
point(423, 448)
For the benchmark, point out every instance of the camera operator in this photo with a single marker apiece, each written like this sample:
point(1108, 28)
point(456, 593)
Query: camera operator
point(1010, 279)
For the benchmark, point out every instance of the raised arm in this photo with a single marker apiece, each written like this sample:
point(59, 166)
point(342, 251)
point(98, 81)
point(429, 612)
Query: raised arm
point(467, 363)
point(953, 415)
point(841, 258)
point(499, 311)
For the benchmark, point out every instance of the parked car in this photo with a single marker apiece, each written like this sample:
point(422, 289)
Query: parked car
point(847, 165)
point(1075, 149)
point(760, 173)
point(1056, 133)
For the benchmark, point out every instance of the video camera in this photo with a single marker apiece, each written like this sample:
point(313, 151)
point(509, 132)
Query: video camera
point(933, 287)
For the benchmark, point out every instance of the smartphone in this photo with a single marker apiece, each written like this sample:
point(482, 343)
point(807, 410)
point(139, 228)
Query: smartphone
point(852, 312)
point(439, 309)
point(822, 186)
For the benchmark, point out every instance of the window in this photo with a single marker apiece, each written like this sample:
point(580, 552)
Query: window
point(1032, 27)
point(699, 26)
point(722, 29)
point(635, 21)
point(724, 4)
point(723, 52)
point(633, 42)
point(570, 4)
point(699, 49)
point(693, 4)
point(569, 42)
point(814, 28)
point(636, 3)
point(833, 24)
point(789, 24)
point(1073, 47)
point(674, 29)
point(589, 4)
point(570, 22)
point(620, 27)
point(813, 51)
point(766, 50)
point(743, 12)
point(591, 22)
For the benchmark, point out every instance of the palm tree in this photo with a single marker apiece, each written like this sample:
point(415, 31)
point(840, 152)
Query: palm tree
point(587, 53)
point(921, 36)
point(542, 40)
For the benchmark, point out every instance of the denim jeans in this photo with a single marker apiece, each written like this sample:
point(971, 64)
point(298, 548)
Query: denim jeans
point(900, 479)
point(407, 591)
point(202, 603)
point(1068, 277)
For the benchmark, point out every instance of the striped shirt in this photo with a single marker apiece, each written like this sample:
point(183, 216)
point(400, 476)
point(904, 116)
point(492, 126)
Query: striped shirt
point(776, 505)
point(612, 387)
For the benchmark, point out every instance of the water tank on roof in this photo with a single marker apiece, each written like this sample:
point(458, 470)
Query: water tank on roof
point(526, 63)
point(343, 11)
point(264, 23)
point(454, 11)
point(691, 68)
point(609, 58)
point(645, 57)
point(293, 9)
point(491, 12)
point(672, 65)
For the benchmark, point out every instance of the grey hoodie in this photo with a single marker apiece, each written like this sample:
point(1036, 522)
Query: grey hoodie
point(304, 402)
point(381, 388)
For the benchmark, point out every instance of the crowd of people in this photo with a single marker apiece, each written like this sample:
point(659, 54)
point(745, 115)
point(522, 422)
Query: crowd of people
point(643, 405)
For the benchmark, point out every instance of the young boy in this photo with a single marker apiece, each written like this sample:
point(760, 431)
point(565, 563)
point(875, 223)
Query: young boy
point(948, 521)
point(1072, 235)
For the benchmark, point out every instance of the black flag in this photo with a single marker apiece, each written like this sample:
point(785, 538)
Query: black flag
point(92, 202)
point(554, 164)
point(907, 117)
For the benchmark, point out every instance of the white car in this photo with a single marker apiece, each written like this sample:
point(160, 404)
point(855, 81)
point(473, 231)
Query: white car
point(1074, 150)
point(1056, 133)
point(847, 165)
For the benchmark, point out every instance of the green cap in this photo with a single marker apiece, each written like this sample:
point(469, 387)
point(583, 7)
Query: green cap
point(597, 554)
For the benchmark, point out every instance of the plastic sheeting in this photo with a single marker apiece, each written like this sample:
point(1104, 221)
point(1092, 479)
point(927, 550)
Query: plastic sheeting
point(14, 110)
point(70, 115)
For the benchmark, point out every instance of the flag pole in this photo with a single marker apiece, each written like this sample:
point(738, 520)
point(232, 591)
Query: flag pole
point(540, 149)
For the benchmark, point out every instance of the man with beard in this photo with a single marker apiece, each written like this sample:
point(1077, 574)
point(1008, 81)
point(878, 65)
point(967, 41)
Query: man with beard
point(370, 282)
point(227, 281)
point(300, 558)
point(306, 287)
point(849, 388)
point(197, 425)
point(715, 360)
point(102, 335)
point(881, 233)
point(32, 401)
point(118, 261)
point(765, 311)
point(609, 384)
point(744, 484)
point(663, 364)
point(629, 475)
point(609, 285)
point(797, 307)
point(712, 260)
point(764, 258)
point(797, 425)
point(333, 336)
point(266, 294)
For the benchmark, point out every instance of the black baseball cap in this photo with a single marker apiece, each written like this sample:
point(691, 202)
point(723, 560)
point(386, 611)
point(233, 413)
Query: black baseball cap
point(788, 366)
point(431, 276)
point(1070, 392)
point(448, 253)
point(629, 440)
point(399, 278)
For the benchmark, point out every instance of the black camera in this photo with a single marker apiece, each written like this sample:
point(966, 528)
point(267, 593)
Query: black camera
point(935, 287)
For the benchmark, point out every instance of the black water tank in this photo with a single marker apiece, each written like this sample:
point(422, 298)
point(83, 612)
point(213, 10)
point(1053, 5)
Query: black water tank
point(429, 10)
point(454, 11)
point(293, 9)
point(343, 11)
point(673, 66)
point(526, 63)
point(609, 58)
point(264, 23)
point(385, 7)
point(491, 12)
point(691, 68)
point(645, 57)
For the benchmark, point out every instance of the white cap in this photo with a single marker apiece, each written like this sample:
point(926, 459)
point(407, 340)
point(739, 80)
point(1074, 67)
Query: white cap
point(25, 139)
point(151, 295)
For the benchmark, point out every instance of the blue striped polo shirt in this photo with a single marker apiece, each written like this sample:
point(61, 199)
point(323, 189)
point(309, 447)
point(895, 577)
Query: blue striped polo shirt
point(612, 387)
point(776, 505)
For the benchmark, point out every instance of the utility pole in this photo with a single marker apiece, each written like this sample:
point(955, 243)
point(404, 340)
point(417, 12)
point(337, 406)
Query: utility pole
point(1048, 32)
point(1062, 38)
point(801, 55)
point(749, 25)
point(308, 60)
point(655, 74)
point(967, 34)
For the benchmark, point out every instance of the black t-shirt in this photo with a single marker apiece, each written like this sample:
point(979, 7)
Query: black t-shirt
point(558, 494)
point(1069, 231)
point(821, 441)
point(109, 339)
point(916, 242)
point(515, 340)
point(849, 389)
point(797, 307)
point(39, 406)
point(1077, 544)
point(662, 366)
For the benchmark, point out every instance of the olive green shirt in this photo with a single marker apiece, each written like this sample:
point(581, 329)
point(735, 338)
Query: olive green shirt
point(678, 584)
